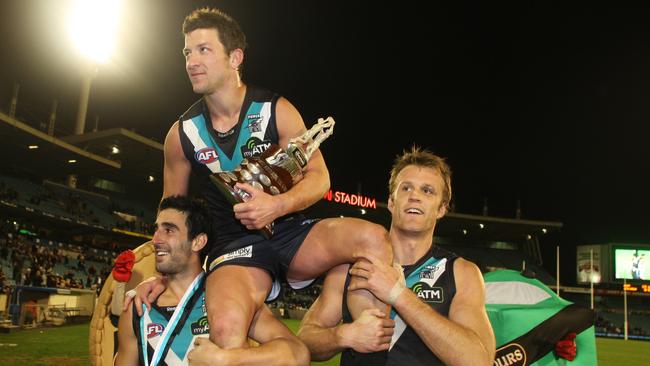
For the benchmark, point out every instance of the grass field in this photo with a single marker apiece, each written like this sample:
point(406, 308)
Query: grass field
point(69, 346)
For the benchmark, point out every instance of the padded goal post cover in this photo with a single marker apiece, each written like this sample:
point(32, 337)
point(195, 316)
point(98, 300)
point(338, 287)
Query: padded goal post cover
point(102, 330)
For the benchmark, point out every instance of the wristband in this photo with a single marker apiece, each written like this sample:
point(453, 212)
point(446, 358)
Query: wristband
point(395, 292)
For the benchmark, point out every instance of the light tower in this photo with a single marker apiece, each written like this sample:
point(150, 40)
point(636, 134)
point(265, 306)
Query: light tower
point(93, 25)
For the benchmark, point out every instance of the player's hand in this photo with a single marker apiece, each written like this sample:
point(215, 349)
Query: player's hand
point(206, 353)
point(371, 332)
point(259, 210)
point(376, 277)
point(566, 347)
point(146, 292)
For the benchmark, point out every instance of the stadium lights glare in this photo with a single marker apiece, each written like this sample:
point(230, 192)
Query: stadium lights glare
point(464, 231)
point(115, 150)
point(151, 179)
point(481, 226)
point(363, 211)
point(544, 230)
point(71, 161)
point(93, 24)
point(32, 147)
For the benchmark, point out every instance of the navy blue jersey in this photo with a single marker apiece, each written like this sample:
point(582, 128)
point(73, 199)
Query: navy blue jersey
point(211, 152)
point(432, 279)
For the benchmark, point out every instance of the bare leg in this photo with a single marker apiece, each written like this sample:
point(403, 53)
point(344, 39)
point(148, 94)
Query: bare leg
point(233, 296)
point(336, 241)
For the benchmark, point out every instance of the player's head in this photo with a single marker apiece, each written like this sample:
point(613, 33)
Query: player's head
point(426, 159)
point(228, 30)
point(420, 190)
point(183, 233)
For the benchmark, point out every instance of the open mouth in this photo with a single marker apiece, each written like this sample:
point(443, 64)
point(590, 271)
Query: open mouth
point(414, 211)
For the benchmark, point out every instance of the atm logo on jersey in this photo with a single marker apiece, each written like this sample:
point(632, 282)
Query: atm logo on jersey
point(154, 330)
point(254, 147)
point(427, 293)
point(201, 326)
point(206, 155)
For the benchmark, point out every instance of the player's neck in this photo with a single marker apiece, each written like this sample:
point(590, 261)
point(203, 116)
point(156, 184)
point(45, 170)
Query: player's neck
point(178, 283)
point(224, 106)
point(409, 247)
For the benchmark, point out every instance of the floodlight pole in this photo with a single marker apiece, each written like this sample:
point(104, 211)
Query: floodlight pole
point(557, 270)
point(86, 80)
point(591, 277)
point(625, 308)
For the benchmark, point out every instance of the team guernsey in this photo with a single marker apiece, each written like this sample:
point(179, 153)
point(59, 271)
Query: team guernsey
point(211, 152)
point(165, 336)
point(432, 279)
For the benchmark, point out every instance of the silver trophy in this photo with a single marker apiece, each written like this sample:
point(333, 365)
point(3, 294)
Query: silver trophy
point(276, 170)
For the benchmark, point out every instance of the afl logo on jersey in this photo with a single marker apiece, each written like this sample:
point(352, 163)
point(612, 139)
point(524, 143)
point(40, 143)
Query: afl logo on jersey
point(154, 330)
point(206, 155)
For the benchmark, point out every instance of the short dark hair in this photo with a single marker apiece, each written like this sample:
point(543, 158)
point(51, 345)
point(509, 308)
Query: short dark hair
point(230, 33)
point(198, 219)
point(422, 158)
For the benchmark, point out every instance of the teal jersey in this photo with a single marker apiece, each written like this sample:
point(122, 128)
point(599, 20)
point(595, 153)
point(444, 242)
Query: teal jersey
point(192, 322)
point(209, 151)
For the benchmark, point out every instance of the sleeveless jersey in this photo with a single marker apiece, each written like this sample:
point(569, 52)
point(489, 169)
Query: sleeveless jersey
point(192, 323)
point(210, 152)
point(432, 279)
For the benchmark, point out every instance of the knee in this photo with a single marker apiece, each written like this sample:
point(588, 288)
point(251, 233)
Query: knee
point(374, 240)
point(227, 321)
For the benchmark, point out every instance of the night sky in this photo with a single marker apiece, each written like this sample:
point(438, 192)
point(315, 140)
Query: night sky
point(542, 103)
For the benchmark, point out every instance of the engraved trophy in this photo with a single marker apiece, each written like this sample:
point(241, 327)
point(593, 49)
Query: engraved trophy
point(276, 170)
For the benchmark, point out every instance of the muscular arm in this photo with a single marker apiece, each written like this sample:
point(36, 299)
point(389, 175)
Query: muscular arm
point(325, 336)
point(316, 180)
point(127, 352)
point(263, 208)
point(466, 338)
point(177, 169)
point(278, 346)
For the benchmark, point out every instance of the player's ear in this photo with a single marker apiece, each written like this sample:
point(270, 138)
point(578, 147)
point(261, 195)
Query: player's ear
point(236, 58)
point(391, 203)
point(442, 211)
point(199, 242)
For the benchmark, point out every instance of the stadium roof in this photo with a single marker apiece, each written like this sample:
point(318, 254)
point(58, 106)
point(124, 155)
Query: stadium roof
point(90, 156)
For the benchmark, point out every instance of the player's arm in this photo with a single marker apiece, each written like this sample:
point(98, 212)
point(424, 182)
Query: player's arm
point(325, 336)
point(278, 346)
point(262, 209)
point(465, 338)
point(176, 174)
point(127, 352)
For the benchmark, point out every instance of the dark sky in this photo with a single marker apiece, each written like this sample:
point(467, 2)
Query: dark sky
point(542, 103)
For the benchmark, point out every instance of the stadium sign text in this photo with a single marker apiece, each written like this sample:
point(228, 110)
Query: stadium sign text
point(350, 199)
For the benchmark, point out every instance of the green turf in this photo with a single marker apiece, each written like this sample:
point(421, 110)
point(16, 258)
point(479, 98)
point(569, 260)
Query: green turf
point(46, 346)
point(69, 346)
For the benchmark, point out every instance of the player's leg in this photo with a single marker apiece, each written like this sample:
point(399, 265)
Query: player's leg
point(331, 242)
point(233, 295)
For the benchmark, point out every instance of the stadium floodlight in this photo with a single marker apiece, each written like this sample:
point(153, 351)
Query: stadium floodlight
point(93, 26)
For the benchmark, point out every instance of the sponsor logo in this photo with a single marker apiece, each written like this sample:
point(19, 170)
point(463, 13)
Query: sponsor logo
point(254, 123)
point(512, 354)
point(427, 293)
point(429, 272)
point(206, 155)
point(154, 330)
point(201, 326)
point(239, 253)
point(254, 147)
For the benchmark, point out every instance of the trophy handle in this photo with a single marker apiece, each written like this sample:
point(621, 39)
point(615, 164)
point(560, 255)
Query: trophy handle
point(323, 129)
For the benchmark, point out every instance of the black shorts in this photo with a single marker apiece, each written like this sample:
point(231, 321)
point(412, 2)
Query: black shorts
point(274, 255)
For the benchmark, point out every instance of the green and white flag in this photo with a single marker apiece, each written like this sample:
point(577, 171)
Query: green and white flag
point(529, 319)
